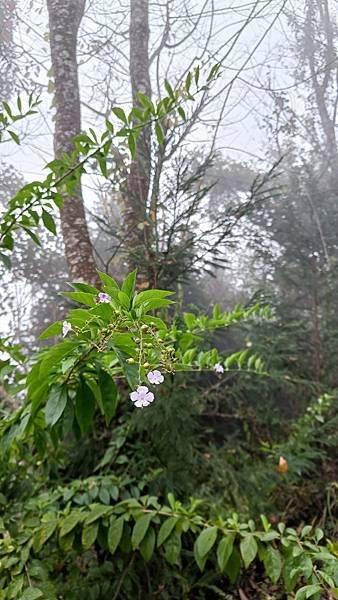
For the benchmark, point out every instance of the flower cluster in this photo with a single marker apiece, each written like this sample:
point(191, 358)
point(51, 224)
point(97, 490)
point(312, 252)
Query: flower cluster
point(142, 396)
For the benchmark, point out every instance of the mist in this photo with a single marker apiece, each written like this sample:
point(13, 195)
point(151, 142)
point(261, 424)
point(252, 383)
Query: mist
point(168, 320)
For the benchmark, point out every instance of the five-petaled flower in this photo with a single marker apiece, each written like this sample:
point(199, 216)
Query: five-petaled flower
point(142, 397)
point(155, 377)
point(104, 298)
point(218, 368)
point(66, 328)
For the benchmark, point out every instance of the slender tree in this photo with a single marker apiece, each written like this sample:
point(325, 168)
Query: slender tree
point(7, 68)
point(137, 223)
point(64, 20)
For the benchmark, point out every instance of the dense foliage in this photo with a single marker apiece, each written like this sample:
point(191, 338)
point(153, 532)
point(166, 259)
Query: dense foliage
point(141, 448)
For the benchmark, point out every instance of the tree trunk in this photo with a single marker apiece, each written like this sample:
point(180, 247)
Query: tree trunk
point(137, 225)
point(64, 20)
point(7, 54)
point(318, 11)
point(6, 19)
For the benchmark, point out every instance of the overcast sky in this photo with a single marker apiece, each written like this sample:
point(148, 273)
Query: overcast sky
point(103, 51)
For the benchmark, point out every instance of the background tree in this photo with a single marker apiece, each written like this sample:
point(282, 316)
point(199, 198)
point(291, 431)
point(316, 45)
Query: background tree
point(64, 22)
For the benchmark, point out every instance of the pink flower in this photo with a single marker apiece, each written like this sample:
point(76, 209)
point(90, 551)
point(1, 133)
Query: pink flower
point(142, 397)
point(218, 368)
point(104, 298)
point(66, 328)
point(155, 377)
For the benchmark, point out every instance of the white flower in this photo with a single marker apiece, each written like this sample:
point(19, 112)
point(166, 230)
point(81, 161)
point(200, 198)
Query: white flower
point(66, 328)
point(142, 397)
point(155, 377)
point(104, 298)
point(218, 368)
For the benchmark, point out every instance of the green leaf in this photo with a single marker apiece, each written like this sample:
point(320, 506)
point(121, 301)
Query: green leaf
point(156, 303)
point(148, 544)
point(166, 529)
point(159, 133)
point(268, 536)
point(308, 590)
point(104, 311)
point(206, 540)
point(143, 297)
point(7, 108)
point(128, 286)
point(43, 534)
point(84, 407)
point(233, 566)
point(131, 374)
point(33, 236)
point(14, 136)
point(8, 242)
point(135, 114)
point(200, 560)
point(5, 260)
point(48, 222)
point(172, 548)
point(69, 522)
point(79, 316)
point(66, 542)
point(120, 114)
point(169, 89)
point(84, 287)
point(232, 359)
point(325, 577)
point(115, 533)
point(103, 165)
point(132, 145)
point(31, 594)
point(109, 395)
point(53, 356)
point(214, 71)
point(248, 547)
point(104, 495)
point(197, 75)
point(140, 529)
point(81, 298)
point(96, 512)
point(56, 404)
point(51, 331)
point(273, 564)
point(181, 112)
point(124, 300)
point(147, 103)
point(188, 82)
point(154, 321)
point(89, 535)
point(224, 551)
point(189, 319)
point(108, 281)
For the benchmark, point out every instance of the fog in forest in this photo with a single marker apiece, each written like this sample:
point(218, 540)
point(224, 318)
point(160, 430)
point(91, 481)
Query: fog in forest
point(168, 307)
